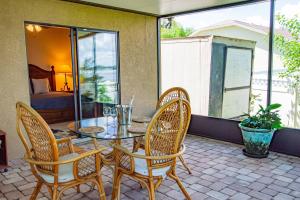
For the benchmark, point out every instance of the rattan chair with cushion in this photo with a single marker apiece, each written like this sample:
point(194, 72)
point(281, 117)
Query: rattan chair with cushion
point(167, 96)
point(163, 144)
point(54, 162)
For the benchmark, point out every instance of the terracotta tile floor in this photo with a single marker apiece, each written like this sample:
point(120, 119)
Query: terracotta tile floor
point(220, 171)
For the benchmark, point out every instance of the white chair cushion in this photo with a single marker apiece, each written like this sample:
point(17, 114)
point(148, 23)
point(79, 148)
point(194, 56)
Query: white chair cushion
point(142, 168)
point(65, 172)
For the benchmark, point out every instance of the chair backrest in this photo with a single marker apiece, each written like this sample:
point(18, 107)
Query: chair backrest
point(172, 93)
point(43, 146)
point(166, 131)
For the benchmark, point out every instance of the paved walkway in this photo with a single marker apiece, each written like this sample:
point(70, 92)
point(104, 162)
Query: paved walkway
point(220, 171)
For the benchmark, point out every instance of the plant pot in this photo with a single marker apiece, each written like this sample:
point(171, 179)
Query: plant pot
point(256, 141)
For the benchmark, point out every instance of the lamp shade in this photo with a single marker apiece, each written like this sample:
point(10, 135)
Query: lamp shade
point(63, 69)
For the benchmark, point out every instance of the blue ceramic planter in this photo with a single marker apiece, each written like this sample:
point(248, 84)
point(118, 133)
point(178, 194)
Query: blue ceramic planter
point(256, 141)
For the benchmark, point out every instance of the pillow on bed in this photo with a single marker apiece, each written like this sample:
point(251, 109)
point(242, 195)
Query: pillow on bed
point(41, 85)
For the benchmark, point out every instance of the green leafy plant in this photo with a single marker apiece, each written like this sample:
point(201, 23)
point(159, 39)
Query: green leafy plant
point(172, 29)
point(89, 76)
point(104, 98)
point(288, 45)
point(265, 118)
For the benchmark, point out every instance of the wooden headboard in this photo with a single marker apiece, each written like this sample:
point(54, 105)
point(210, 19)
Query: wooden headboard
point(36, 72)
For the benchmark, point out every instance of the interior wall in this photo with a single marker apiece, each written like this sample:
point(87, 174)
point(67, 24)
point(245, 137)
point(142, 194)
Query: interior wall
point(50, 47)
point(138, 53)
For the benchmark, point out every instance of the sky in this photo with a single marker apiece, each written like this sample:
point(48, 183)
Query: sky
point(105, 49)
point(257, 13)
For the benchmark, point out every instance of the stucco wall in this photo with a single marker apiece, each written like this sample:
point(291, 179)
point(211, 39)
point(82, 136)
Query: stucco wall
point(138, 53)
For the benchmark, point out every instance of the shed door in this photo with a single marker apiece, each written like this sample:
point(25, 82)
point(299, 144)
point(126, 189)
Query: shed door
point(237, 82)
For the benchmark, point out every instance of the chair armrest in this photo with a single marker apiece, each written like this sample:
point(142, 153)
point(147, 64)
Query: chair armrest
point(87, 164)
point(60, 162)
point(138, 143)
point(65, 146)
point(125, 158)
point(126, 151)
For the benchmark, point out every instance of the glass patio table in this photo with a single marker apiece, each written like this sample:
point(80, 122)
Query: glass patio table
point(110, 131)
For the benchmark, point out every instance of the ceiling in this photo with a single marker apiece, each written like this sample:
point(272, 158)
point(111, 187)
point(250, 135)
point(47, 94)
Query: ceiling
point(160, 7)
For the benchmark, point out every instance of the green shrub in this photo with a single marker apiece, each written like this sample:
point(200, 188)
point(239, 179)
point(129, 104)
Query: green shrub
point(265, 118)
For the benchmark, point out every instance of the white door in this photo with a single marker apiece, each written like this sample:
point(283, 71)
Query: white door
point(237, 82)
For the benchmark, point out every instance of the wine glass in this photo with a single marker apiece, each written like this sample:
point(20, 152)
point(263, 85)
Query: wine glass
point(113, 114)
point(106, 113)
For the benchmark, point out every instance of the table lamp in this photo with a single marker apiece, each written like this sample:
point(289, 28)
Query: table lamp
point(65, 69)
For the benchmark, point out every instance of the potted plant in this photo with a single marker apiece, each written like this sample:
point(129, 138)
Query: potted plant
point(258, 130)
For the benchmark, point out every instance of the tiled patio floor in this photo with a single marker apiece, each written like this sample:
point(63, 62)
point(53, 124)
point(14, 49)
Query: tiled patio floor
point(220, 171)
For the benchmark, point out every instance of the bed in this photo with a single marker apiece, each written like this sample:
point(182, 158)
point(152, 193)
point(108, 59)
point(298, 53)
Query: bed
point(54, 106)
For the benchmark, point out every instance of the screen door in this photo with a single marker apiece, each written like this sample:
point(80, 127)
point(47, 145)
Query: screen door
point(237, 82)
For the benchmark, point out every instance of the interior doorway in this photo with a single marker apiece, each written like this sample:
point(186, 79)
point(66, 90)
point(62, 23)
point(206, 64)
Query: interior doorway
point(73, 71)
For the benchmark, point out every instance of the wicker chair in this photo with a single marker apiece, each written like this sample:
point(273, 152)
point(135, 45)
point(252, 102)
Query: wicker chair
point(163, 144)
point(168, 95)
point(54, 162)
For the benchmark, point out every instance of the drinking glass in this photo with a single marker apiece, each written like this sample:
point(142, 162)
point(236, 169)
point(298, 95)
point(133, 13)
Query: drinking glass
point(106, 113)
point(113, 114)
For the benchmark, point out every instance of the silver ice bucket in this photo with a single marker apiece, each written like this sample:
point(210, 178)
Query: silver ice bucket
point(124, 114)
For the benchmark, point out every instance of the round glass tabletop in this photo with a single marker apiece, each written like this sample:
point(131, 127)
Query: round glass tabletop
point(100, 128)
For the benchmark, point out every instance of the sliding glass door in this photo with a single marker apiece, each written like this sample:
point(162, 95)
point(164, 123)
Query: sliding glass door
point(98, 71)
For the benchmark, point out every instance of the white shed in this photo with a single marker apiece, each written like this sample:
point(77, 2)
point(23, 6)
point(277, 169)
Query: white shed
point(207, 67)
